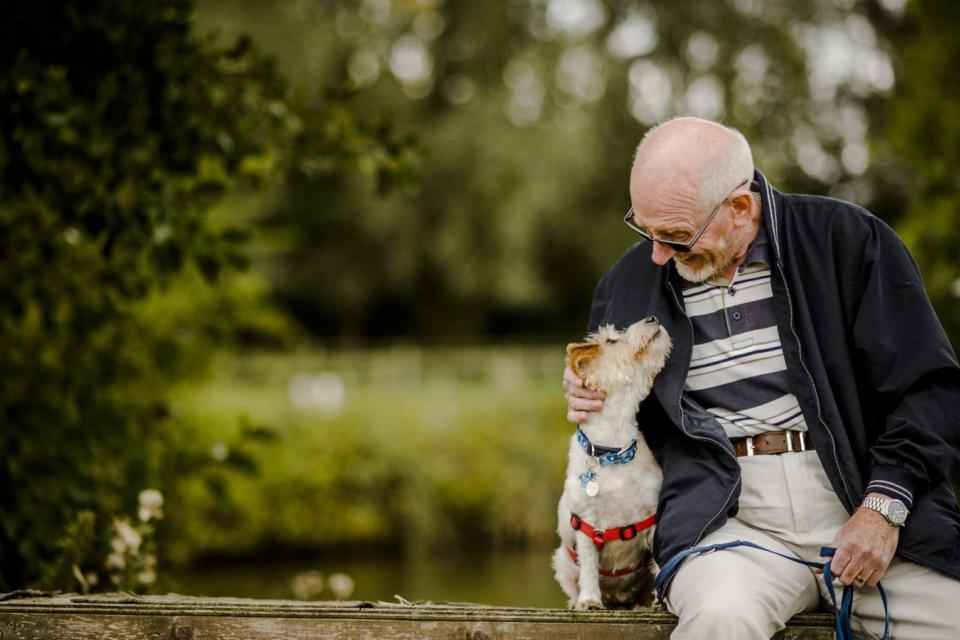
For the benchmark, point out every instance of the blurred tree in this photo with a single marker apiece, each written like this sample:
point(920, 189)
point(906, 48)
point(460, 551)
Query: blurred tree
point(921, 136)
point(118, 131)
point(531, 110)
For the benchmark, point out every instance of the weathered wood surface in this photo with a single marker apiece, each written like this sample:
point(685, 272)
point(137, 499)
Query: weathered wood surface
point(174, 617)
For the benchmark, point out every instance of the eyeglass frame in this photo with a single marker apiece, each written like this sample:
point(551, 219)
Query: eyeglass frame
point(681, 247)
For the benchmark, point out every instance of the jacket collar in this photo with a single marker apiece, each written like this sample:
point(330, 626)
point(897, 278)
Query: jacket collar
point(771, 202)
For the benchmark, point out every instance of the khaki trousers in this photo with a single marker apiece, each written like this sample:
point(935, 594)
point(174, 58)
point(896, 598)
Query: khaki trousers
point(788, 505)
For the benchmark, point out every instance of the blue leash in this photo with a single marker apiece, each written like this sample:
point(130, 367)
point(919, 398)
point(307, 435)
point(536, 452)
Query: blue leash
point(841, 622)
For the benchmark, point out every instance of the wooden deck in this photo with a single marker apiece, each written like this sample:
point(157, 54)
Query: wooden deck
point(121, 616)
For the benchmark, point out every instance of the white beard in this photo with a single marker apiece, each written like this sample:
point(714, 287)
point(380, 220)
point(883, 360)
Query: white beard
point(707, 265)
point(696, 274)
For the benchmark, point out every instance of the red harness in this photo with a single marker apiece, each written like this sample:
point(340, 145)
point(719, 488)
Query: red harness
point(602, 536)
point(610, 573)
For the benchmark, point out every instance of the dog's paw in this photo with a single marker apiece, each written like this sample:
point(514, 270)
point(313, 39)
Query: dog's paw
point(653, 607)
point(588, 604)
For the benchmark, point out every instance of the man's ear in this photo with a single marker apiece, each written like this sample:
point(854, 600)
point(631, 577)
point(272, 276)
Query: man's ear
point(579, 355)
point(742, 205)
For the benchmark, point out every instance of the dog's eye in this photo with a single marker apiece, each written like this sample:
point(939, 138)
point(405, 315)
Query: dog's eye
point(613, 340)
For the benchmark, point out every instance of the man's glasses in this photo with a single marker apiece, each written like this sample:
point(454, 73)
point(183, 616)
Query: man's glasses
point(680, 247)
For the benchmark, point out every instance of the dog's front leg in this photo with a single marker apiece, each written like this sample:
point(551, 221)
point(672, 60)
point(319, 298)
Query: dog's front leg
point(589, 580)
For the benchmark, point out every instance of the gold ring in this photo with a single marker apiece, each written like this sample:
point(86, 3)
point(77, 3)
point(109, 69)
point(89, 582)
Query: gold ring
point(860, 580)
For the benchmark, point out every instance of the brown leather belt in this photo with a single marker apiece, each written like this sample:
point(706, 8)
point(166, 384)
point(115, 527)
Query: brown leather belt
point(773, 442)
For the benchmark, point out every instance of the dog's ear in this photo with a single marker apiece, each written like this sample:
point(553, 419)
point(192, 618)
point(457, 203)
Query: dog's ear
point(638, 356)
point(579, 354)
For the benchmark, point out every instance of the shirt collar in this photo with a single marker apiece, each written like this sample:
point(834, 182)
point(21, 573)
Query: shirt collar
point(759, 250)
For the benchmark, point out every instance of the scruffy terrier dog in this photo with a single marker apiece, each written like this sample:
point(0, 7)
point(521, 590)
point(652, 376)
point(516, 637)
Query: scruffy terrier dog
point(609, 501)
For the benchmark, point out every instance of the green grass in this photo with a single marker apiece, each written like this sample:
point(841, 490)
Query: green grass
point(431, 446)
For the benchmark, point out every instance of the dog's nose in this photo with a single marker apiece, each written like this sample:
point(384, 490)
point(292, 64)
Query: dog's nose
point(652, 320)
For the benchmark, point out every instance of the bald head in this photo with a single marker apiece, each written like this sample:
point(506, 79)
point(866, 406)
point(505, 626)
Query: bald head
point(687, 171)
point(695, 159)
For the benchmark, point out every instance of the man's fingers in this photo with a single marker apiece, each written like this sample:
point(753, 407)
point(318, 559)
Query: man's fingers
point(581, 392)
point(580, 400)
point(571, 379)
point(863, 578)
point(573, 385)
point(873, 578)
point(839, 564)
point(570, 391)
point(861, 566)
point(849, 568)
point(849, 575)
point(582, 404)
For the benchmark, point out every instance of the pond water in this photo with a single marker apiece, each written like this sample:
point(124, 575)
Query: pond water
point(517, 578)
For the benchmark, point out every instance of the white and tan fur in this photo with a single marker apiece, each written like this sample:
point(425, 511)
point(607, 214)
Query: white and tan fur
point(623, 364)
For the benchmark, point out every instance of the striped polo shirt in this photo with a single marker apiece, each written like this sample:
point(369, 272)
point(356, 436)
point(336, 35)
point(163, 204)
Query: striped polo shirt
point(737, 370)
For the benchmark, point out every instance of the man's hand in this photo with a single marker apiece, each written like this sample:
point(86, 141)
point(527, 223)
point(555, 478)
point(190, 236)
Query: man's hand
point(580, 400)
point(865, 546)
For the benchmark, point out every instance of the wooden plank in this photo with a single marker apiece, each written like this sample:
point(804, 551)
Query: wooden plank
point(124, 616)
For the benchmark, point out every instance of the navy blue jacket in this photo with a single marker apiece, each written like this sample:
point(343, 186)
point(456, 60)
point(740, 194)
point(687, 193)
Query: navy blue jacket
point(867, 358)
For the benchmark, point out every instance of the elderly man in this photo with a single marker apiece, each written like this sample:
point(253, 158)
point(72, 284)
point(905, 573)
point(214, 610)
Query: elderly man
point(811, 398)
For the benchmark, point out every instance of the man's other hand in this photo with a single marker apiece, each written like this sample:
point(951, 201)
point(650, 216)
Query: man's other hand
point(865, 547)
point(580, 400)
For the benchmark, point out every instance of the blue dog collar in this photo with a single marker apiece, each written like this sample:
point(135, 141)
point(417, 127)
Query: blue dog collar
point(606, 455)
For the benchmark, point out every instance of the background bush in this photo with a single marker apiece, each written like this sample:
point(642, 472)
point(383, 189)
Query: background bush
point(120, 129)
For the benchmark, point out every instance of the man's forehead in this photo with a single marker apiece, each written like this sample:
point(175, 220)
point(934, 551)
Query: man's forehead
point(671, 200)
point(664, 221)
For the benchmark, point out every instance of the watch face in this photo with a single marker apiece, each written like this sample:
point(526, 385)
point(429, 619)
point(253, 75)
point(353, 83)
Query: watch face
point(896, 512)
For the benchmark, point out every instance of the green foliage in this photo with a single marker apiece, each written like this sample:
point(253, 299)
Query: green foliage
point(922, 133)
point(531, 117)
point(75, 546)
point(423, 449)
point(120, 129)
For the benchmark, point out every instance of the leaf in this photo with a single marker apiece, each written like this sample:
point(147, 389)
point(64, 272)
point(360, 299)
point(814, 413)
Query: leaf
point(256, 432)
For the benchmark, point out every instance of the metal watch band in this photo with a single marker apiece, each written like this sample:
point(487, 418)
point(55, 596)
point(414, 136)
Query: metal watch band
point(881, 505)
point(875, 503)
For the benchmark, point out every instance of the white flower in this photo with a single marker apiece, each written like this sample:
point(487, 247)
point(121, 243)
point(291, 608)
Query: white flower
point(118, 545)
point(115, 561)
point(147, 576)
point(151, 505)
point(306, 585)
point(130, 536)
point(219, 451)
point(341, 585)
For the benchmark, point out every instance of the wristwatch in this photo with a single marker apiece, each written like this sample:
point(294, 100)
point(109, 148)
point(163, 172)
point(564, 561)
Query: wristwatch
point(890, 508)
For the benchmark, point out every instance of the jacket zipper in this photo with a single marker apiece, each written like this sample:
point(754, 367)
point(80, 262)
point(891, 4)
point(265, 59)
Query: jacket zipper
point(803, 363)
point(726, 503)
point(816, 396)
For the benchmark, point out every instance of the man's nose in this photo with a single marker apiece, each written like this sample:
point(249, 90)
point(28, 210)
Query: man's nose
point(661, 253)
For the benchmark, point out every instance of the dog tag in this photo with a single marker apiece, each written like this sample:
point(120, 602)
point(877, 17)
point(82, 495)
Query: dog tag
point(592, 488)
point(586, 477)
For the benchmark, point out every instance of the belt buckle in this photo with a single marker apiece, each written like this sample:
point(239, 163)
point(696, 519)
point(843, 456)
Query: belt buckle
point(789, 435)
point(803, 440)
point(749, 443)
